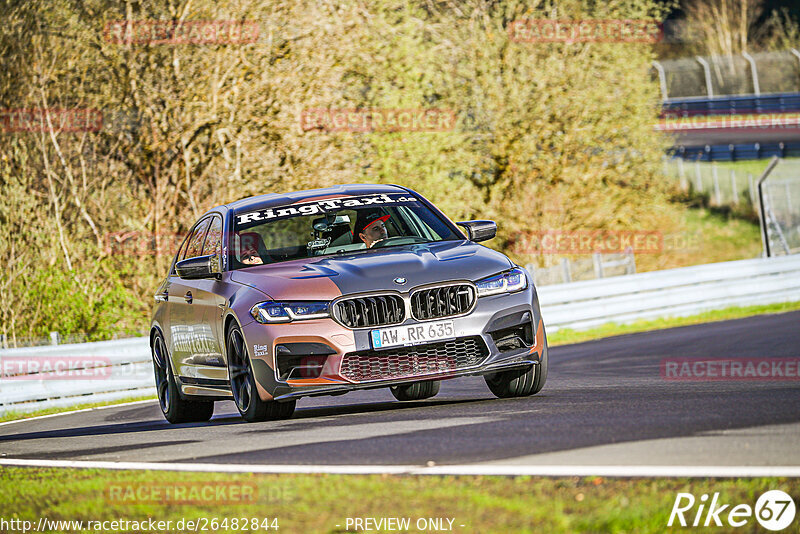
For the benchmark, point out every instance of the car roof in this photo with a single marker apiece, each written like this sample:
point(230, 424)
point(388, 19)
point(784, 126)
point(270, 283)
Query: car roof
point(279, 199)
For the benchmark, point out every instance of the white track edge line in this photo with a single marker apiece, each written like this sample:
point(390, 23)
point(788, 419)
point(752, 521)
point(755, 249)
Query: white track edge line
point(77, 411)
point(661, 471)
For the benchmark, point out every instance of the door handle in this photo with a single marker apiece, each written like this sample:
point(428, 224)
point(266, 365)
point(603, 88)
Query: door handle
point(188, 297)
point(162, 297)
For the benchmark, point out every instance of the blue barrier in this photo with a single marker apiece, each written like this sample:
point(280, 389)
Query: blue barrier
point(735, 105)
point(736, 152)
point(772, 103)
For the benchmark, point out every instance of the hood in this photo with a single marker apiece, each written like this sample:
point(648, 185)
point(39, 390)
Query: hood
point(332, 276)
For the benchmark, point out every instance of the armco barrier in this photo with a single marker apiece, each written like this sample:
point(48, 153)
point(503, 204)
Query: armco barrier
point(673, 292)
point(127, 370)
point(75, 374)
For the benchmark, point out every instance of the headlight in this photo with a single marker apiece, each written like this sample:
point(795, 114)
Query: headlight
point(507, 282)
point(283, 312)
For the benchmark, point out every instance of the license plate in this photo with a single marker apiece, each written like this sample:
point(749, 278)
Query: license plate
point(412, 334)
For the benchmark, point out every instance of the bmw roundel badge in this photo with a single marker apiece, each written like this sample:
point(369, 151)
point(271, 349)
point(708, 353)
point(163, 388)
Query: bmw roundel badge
point(400, 280)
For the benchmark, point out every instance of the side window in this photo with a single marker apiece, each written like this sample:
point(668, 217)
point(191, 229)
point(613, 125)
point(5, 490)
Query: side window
point(213, 244)
point(196, 241)
point(179, 255)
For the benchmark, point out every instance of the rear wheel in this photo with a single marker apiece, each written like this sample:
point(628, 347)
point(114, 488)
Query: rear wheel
point(416, 391)
point(243, 384)
point(175, 408)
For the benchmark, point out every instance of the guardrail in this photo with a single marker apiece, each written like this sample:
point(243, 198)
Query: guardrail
point(673, 292)
point(66, 375)
point(35, 378)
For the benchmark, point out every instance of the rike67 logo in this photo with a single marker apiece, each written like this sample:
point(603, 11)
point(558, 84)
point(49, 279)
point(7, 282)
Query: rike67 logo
point(774, 510)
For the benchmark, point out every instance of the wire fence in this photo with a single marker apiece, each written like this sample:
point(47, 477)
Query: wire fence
point(780, 194)
point(713, 76)
point(598, 266)
point(724, 186)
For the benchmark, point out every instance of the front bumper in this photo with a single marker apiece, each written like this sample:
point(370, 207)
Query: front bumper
point(490, 315)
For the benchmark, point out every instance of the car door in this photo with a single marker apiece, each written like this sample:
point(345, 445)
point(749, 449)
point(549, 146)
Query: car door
point(162, 296)
point(198, 350)
point(183, 319)
point(209, 304)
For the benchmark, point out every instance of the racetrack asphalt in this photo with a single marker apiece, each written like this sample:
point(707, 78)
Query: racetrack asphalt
point(605, 403)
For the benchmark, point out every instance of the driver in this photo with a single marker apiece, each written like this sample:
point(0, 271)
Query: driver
point(370, 228)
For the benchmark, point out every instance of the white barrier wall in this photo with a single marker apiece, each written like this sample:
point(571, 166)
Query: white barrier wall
point(66, 375)
point(670, 293)
point(34, 378)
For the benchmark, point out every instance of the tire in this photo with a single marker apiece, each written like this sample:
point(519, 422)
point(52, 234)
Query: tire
point(518, 382)
point(243, 384)
point(415, 391)
point(541, 374)
point(176, 409)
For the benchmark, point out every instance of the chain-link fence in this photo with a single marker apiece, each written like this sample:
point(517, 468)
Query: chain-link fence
point(713, 76)
point(780, 213)
point(598, 266)
point(724, 186)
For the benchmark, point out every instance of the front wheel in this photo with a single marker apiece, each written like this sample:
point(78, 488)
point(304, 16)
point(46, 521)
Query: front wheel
point(175, 408)
point(416, 391)
point(243, 384)
point(518, 383)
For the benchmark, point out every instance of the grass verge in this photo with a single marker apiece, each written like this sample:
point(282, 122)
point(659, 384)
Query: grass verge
point(566, 336)
point(322, 503)
point(15, 416)
point(707, 236)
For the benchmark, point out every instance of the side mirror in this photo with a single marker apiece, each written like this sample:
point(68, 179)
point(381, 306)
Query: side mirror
point(479, 230)
point(199, 267)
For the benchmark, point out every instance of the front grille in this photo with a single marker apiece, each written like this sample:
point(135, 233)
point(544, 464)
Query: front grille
point(414, 361)
point(377, 310)
point(443, 301)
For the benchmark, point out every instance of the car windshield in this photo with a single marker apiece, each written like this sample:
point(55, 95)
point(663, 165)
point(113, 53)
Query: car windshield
point(333, 226)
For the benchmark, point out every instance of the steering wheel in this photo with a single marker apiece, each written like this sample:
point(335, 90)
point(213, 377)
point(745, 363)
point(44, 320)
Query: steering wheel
point(399, 240)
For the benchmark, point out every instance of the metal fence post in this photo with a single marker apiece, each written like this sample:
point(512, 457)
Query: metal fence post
point(762, 211)
point(598, 264)
point(707, 71)
point(4, 342)
point(630, 267)
point(753, 72)
point(698, 179)
point(565, 270)
point(54, 337)
point(734, 191)
point(662, 79)
point(716, 183)
point(682, 174)
point(752, 189)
